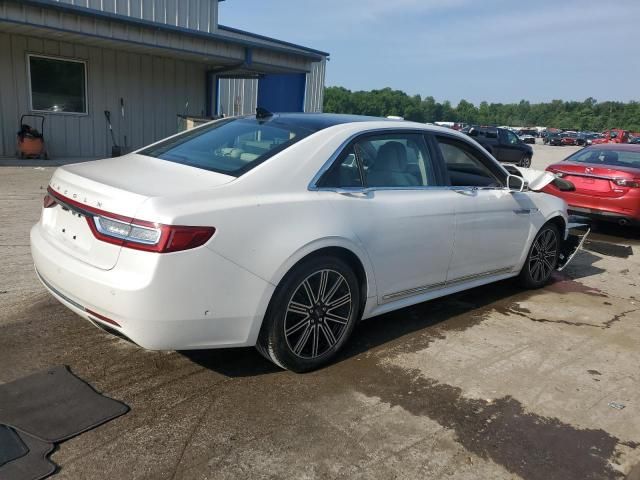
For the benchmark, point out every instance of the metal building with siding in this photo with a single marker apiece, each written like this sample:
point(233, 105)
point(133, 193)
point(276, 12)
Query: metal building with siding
point(144, 61)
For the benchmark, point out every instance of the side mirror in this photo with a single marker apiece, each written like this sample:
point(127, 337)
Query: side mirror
point(516, 183)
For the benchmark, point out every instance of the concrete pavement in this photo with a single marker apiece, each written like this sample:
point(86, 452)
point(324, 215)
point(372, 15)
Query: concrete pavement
point(492, 383)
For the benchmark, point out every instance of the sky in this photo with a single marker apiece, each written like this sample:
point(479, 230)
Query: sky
point(492, 50)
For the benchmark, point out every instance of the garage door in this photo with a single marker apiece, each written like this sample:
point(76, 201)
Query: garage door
point(282, 93)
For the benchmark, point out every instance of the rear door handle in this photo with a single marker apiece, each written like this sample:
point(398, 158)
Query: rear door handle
point(362, 192)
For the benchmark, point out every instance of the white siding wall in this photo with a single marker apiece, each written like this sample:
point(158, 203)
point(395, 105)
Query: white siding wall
point(238, 96)
point(195, 14)
point(154, 89)
point(314, 92)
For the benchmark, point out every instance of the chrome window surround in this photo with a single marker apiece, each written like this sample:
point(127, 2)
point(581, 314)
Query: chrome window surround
point(363, 190)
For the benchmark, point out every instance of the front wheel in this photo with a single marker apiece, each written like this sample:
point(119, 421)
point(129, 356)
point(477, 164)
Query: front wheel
point(312, 314)
point(542, 258)
point(526, 161)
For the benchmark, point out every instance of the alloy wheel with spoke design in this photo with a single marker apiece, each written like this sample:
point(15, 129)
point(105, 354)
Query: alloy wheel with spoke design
point(543, 255)
point(318, 313)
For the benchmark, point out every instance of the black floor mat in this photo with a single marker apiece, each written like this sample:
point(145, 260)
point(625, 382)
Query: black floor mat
point(54, 405)
point(34, 465)
point(11, 446)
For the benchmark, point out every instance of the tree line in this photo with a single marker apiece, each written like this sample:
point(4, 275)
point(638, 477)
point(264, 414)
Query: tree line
point(589, 115)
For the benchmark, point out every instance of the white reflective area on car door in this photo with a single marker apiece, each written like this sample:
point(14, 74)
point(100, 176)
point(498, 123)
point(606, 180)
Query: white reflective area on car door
point(404, 220)
point(492, 223)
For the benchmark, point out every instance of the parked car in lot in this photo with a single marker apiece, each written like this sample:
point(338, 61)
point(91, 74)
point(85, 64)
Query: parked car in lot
point(503, 144)
point(607, 182)
point(568, 138)
point(615, 135)
point(581, 138)
point(527, 138)
point(283, 231)
point(554, 139)
point(592, 137)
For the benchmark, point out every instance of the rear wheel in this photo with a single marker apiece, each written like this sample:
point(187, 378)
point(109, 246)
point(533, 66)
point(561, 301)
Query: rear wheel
point(312, 314)
point(542, 258)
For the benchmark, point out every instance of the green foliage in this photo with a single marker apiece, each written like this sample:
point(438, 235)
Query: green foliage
point(586, 115)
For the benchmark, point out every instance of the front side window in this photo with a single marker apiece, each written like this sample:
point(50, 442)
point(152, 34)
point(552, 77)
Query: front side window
point(231, 146)
point(396, 160)
point(464, 165)
point(58, 85)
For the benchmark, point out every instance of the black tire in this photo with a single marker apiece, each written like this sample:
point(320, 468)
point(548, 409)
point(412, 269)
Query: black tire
point(526, 161)
point(542, 258)
point(303, 307)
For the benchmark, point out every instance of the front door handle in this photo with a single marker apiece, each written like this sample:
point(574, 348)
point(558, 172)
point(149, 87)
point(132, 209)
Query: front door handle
point(464, 191)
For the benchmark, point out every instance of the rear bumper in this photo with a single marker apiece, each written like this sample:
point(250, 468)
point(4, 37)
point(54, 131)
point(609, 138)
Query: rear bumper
point(605, 215)
point(177, 301)
point(614, 209)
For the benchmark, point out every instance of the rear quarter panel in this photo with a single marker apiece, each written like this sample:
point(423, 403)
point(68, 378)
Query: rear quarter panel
point(267, 220)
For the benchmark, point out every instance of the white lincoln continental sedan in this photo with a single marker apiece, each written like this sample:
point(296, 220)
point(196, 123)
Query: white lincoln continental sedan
point(284, 230)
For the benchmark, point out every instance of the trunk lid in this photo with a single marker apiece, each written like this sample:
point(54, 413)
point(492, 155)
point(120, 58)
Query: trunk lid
point(594, 179)
point(119, 186)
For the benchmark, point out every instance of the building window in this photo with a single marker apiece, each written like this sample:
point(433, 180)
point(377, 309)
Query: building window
point(58, 85)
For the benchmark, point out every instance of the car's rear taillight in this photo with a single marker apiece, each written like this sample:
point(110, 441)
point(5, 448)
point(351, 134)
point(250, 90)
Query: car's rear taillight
point(623, 182)
point(137, 234)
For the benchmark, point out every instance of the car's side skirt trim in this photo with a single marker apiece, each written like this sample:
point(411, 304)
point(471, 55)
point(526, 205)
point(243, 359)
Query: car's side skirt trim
point(448, 283)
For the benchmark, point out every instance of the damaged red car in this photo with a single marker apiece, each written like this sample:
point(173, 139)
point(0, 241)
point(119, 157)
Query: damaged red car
point(607, 182)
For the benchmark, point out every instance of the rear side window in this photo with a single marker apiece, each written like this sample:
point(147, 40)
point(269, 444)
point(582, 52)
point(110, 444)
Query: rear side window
point(230, 146)
point(344, 173)
point(465, 166)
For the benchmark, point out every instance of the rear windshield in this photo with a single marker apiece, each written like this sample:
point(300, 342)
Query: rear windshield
point(231, 146)
point(614, 158)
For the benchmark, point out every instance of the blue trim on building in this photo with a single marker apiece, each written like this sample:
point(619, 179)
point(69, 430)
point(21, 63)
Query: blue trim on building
point(282, 92)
